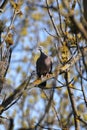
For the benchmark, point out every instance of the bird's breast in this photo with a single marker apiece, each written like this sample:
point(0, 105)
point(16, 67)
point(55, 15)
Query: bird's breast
point(47, 61)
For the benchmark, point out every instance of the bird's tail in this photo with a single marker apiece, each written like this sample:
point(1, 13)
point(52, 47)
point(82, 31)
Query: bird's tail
point(42, 85)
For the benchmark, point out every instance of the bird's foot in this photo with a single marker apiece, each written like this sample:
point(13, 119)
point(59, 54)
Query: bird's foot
point(47, 75)
point(42, 77)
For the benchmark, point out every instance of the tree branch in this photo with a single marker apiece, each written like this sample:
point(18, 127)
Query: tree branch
point(3, 5)
point(73, 104)
point(27, 85)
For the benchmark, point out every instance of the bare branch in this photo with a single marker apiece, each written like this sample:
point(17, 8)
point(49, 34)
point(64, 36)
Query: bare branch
point(50, 15)
point(3, 5)
point(73, 104)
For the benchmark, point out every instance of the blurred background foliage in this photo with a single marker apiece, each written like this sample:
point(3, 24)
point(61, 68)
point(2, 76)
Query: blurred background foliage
point(28, 25)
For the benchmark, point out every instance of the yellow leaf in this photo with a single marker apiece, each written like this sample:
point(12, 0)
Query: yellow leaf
point(37, 16)
point(64, 53)
point(18, 69)
point(43, 95)
point(16, 6)
point(13, 4)
point(36, 57)
point(31, 100)
point(24, 124)
point(9, 39)
point(85, 117)
point(24, 31)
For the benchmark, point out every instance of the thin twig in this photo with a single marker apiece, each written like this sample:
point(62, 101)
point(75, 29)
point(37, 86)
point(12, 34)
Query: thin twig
point(51, 34)
point(53, 105)
point(3, 5)
point(58, 10)
point(50, 15)
point(12, 21)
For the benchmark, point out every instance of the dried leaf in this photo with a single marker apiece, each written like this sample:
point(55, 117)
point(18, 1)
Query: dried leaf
point(64, 53)
point(9, 39)
point(43, 95)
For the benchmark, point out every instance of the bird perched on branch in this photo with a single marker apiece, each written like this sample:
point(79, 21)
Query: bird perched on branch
point(43, 65)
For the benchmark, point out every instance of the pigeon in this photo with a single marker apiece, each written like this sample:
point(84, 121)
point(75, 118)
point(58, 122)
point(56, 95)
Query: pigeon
point(43, 66)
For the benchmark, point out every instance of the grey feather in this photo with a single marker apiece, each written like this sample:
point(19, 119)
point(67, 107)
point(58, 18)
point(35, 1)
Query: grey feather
point(43, 66)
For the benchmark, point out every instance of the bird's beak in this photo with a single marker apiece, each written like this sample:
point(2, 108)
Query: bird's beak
point(39, 48)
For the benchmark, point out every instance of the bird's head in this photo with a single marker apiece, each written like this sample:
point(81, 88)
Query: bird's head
point(41, 49)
